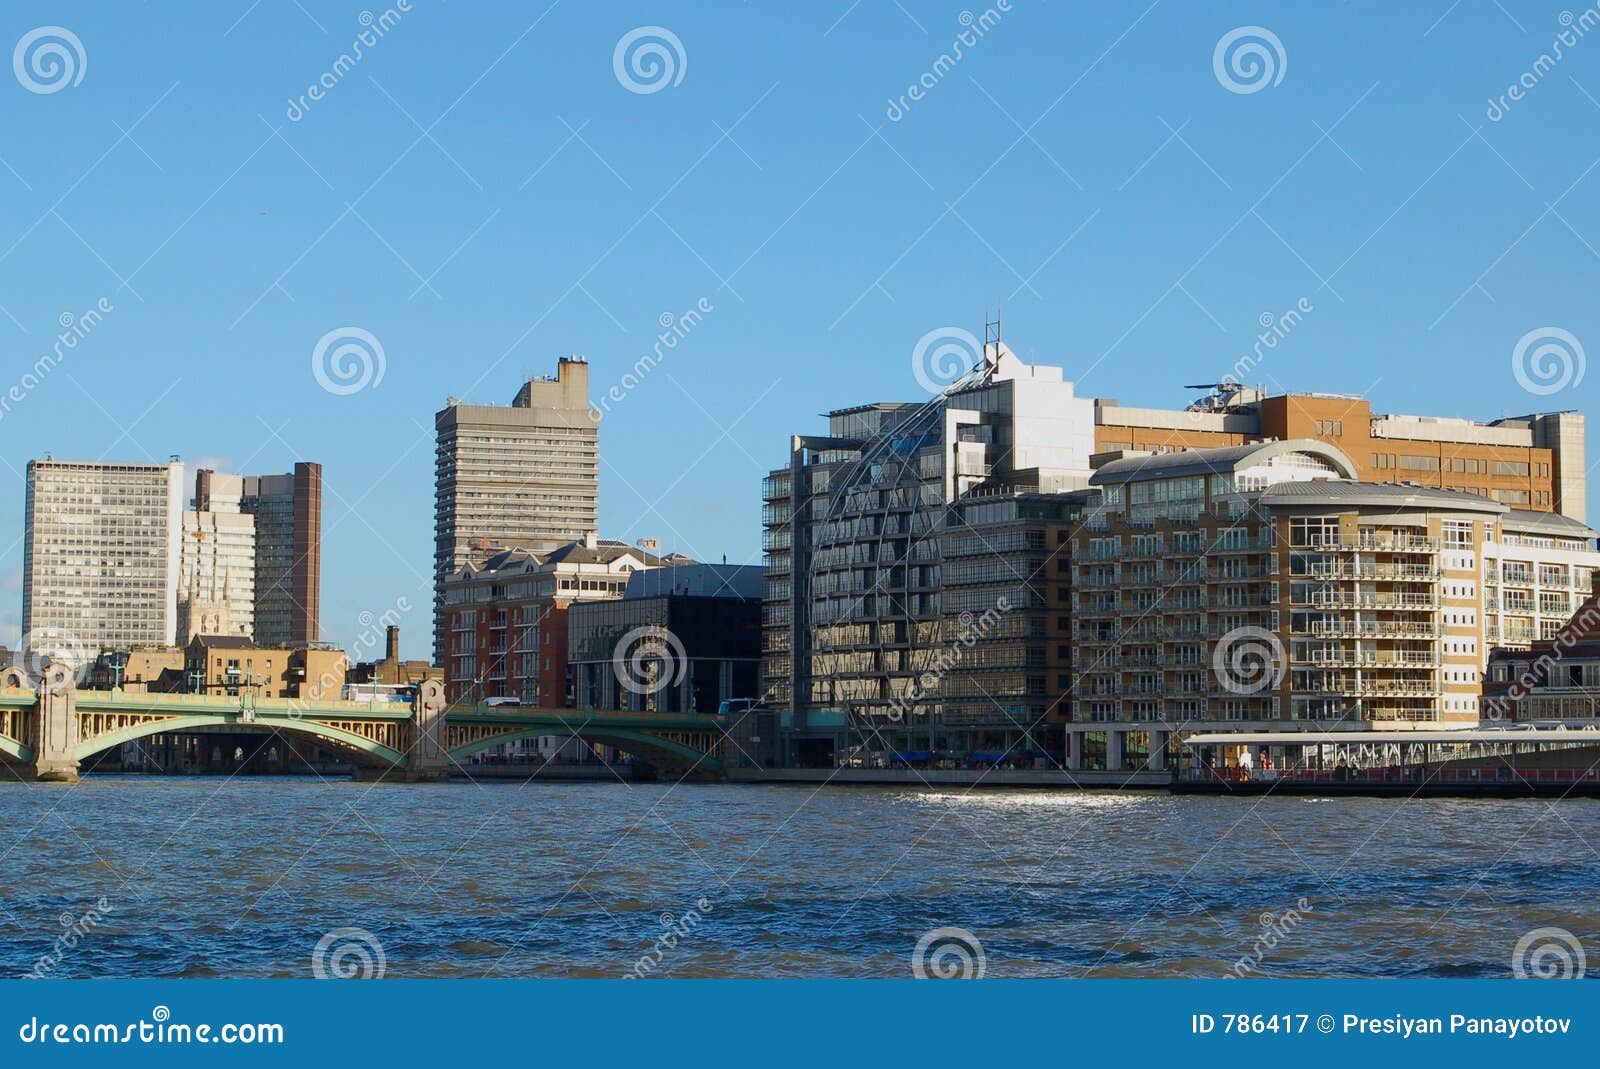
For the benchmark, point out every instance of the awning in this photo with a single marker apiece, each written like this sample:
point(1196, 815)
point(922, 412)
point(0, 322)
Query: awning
point(1361, 738)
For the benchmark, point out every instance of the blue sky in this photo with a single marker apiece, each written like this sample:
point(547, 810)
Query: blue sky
point(484, 195)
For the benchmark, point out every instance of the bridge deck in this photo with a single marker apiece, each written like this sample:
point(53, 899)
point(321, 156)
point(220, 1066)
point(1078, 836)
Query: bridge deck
point(112, 701)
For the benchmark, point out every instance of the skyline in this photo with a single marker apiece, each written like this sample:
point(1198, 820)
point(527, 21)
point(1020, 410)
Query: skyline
point(566, 214)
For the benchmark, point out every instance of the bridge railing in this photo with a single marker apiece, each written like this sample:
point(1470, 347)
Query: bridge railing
point(330, 707)
point(514, 712)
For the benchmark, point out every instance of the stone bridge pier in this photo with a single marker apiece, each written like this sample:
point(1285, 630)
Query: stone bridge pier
point(429, 751)
point(56, 751)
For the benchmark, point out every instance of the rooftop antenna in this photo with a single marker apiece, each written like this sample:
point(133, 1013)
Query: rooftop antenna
point(993, 336)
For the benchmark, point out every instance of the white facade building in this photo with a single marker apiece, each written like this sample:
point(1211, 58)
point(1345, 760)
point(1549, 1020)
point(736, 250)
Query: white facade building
point(101, 557)
point(218, 575)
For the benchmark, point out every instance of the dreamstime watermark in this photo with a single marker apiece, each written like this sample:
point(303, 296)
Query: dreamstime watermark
point(372, 636)
point(649, 59)
point(949, 954)
point(374, 27)
point(1547, 360)
point(46, 648)
point(1274, 328)
point(649, 659)
point(74, 328)
point(49, 59)
point(1549, 954)
point(944, 356)
point(347, 360)
point(349, 954)
point(74, 930)
point(1249, 660)
point(1545, 62)
point(1275, 929)
point(1574, 631)
point(1249, 59)
point(970, 630)
point(674, 329)
point(674, 931)
point(976, 26)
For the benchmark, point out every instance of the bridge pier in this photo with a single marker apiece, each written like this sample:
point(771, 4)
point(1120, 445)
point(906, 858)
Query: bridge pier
point(56, 757)
point(428, 756)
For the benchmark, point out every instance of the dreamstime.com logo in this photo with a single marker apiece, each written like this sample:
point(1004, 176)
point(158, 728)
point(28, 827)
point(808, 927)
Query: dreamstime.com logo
point(942, 357)
point(1249, 59)
point(949, 954)
point(347, 360)
point(649, 59)
point(648, 659)
point(1249, 660)
point(49, 59)
point(1547, 360)
point(349, 954)
point(159, 1028)
point(1549, 954)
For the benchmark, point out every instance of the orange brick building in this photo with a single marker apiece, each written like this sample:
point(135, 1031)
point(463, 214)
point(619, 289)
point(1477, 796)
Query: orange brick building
point(1529, 462)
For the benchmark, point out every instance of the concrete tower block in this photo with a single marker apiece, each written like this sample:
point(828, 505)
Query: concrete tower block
point(57, 758)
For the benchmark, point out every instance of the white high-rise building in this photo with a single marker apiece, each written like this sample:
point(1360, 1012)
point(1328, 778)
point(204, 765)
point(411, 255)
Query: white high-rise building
point(217, 595)
point(101, 555)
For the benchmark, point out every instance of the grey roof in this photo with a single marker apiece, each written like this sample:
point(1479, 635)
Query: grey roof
point(1380, 495)
point(506, 558)
point(605, 551)
point(1550, 523)
point(1220, 461)
point(224, 642)
point(742, 581)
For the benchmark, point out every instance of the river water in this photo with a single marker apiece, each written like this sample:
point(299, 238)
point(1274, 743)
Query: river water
point(206, 877)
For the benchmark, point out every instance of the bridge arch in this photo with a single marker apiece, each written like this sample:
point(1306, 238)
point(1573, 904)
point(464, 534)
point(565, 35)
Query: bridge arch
point(642, 743)
point(175, 725)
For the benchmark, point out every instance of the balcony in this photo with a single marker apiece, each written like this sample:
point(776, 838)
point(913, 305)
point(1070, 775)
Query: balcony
point(1384, 629)
point(1373, 659)
point(1345, 570)
point(1369, 544)
point(1392, 602)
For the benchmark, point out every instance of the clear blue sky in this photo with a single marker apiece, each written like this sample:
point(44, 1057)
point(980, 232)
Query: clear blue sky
point(1082, 163)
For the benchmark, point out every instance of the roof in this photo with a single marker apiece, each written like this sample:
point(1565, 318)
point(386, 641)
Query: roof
point(506, 558)
point(1551, 523)
point(742, 581)
point(605, 551)
point(1221, 461)
point(1380, 495)
point(225, 642)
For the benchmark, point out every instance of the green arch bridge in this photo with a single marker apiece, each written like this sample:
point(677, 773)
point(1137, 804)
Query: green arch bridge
point(52, 727)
